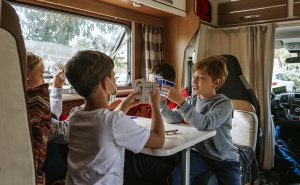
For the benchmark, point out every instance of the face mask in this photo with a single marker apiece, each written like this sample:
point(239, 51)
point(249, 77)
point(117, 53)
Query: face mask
point(111, 99)
point(113, 93)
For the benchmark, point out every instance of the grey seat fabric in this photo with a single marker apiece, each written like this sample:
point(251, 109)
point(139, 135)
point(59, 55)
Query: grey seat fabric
point(16, 156)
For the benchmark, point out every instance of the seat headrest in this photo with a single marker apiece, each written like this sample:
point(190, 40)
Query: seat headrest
point(233, 87)
point(9, 20)
point(233, 66)
point(243, 105)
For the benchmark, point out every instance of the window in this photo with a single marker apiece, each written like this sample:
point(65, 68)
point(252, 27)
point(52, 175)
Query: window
point(285, 76)
point(57, 36)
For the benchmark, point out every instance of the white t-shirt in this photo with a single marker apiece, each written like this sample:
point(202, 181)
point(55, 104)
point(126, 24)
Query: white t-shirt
point(96, 146)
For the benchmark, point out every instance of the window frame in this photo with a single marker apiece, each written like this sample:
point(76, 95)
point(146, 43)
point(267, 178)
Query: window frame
point(88, 15)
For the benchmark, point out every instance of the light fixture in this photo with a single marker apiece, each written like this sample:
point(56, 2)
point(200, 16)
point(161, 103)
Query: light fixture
point(136, 4)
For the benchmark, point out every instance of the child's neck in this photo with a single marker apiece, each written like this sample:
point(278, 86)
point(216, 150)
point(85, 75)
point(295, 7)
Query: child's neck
point(208, 96)
point(92, 105)
point(95, 101)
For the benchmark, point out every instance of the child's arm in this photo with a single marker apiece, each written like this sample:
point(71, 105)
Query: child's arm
point(210, 120)
point(133, 137)
point(59, 132)
point(56, 101)
point(157, 134)
point(171, 116)
point(56, 95)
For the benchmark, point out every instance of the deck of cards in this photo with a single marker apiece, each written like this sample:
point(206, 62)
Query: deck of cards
point(144, 88)
point(57, 67)
point(162, 82)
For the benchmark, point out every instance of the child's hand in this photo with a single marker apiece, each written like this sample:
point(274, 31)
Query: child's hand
point(58, 80)
point(173, 95)
point(130, 101)
point(155, 98)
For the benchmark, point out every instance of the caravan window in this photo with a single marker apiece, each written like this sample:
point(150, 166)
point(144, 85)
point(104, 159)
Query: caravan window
point(57, 36)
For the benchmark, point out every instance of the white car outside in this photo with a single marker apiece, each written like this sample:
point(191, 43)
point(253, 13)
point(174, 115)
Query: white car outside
point(290, 85)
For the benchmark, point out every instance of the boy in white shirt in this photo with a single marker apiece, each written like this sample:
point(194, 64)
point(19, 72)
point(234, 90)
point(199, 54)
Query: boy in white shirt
point(97, 136)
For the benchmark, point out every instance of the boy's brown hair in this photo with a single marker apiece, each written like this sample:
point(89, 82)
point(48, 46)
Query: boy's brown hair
point(86, 69)
point(32, 61)
point(165, 70)
point(215, 66)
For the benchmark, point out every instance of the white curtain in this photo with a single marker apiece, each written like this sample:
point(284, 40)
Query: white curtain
point(254, 48)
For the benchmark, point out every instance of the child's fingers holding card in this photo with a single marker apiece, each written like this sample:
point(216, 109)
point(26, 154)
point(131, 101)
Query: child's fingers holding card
point(155, 98)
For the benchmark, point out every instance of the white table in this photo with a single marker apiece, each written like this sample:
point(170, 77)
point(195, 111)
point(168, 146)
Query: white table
point(187, 137)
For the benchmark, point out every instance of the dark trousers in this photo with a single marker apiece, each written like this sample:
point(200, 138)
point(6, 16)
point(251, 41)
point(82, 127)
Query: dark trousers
point(55, 165)
point(146, 169)
point(227, 172)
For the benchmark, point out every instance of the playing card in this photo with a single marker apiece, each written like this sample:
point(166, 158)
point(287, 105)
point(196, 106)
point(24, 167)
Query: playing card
point(169, 83)
point(157, 78)
point(148, 87)
point(144, 88)
point(135, 85)
point(164, 82)
point(57, 67)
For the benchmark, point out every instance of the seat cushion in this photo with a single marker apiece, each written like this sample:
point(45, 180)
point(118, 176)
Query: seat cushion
point(244, 128)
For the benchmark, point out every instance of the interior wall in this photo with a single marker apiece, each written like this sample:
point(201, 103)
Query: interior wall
point(177, 34)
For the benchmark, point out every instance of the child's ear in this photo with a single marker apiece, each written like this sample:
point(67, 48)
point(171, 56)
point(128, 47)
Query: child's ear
point(103, 83)
point(217, 83)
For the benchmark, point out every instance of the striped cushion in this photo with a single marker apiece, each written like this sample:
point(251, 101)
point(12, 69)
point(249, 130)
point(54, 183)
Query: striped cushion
point(40, 124)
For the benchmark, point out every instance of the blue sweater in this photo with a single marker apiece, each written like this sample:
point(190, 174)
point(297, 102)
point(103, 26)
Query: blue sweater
point(212, 114)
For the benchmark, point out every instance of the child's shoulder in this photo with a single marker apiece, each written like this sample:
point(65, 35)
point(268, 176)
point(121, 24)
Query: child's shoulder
point(115, 116)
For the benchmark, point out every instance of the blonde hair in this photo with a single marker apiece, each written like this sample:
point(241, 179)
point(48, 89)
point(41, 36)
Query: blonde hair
point(33, 61)
point(215, 66)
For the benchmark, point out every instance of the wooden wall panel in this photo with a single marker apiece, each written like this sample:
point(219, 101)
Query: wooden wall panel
point(296, 7)
point(138, 51)
point(177, 34)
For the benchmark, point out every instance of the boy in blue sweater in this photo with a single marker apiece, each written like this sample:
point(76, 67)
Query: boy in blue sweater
point(207, 110)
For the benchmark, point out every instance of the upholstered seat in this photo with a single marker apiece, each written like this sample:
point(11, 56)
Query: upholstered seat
point(16, 157)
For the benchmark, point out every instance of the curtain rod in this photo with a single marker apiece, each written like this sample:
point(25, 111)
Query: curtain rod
point(241, 26)
point(288, 23)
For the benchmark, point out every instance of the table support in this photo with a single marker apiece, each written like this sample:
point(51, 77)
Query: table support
point(185, 163)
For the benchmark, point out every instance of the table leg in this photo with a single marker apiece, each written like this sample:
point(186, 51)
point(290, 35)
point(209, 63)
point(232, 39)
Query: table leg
point(185, 163)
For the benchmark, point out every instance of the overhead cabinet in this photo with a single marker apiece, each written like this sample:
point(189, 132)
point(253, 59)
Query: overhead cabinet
point(245, 11)
point(177, 7)
point(296, 7)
